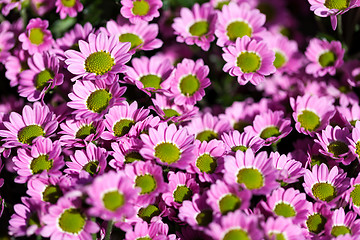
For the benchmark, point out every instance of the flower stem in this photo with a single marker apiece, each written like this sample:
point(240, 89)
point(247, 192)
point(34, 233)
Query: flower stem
point(108, 230)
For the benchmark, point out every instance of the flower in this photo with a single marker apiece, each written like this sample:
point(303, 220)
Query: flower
point(68, 8)
point(235, 141)
point(155, 230)
point(71, 37)
point(125, 151)
point(289, 169)
point(341, 223)
point(140, 10)
point(7, 41)
point(282, 228)
point(354, 140)
point(317, 216)
point(353, 194)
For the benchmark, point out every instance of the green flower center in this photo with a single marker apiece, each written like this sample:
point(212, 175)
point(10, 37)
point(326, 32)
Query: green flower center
point(207, 135)
point(309, 120)
point(316, 223)
point(317, 160)
point(268, 10)
point(220, 5)
point(52, 193)
point(68, 3)
point(170, 113)
point(27, 134)
point(99, 63)
point(337, 148)
point(151, 81)
point(357, 150)
point(113, 200)
point(199, 28)
point(251, 177)
point(340, 230)
point(149, 212)
point(324, 191)
point(182, 193)
point(134, 39)
point(277, 236)
point(36, 36)
point(229, 203)
point(236, 234)
point(132, 157)
point(337, 4)
point(40, 164)
point(146, 182)
point(204, 217)
point(92, 167)
point(167, 152)
point(241, 148)
point(33, 220)
point(144, 238)
point(238, 29)
point(280, 59)
point(284, 209)
point(189, 85)
point(355, 195)
point(85, 131)
point(141, 8)
point(72, 221)
point(248, 62)
point(327, 59)
point(270, 132)
point(206, 163)
point(98, 100)
point(123, 127)
point(42, 78)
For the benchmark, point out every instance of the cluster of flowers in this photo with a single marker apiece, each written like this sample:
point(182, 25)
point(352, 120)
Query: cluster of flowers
point(93, 160)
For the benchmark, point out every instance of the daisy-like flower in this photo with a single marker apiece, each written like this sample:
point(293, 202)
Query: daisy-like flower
point(168, 145)
point(8, 5)
point(219, 4)
point(125, 151)
point(140, 10)
point(66, 220)
point(188, 82)
point(37, 37)
point(335, 144)
point(349, 114)
point(196, 26)
point(15, 65)
point(93, 99)
point(112, 196)
point(289, 169)
point(354, 140)
point(68, 8)
point(270, 127)
point(71, 38)
point(325, 186)
point(249, 60)
point(282, 228)
point(312, 113)
point(40, 7)
point(42, 75)
point(239, 20)
point(353, 194)
point(102, 57)
point(23, 129)
point(155, 230)
point(318, 215)
point(7, 41)
point(254, 173)
point(341, 223)
point(325, 57)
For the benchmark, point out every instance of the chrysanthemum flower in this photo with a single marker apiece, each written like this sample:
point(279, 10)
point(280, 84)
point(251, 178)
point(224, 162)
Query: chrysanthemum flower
point(93, 99)
point(155, 230)
point(140, 10)
point(40, 7)
point(15, 65)
point(7, 41)
point(254, 173)
point(196, 26)
point(349, 114)
point(353, 194)
point(168, 145)
point(341, 223)
point(37, 37)
point(325, 57)
point(282, 228)
point(68, 8)
point(317, 216)
point(354, 140)
point(8, 5)
point(249, 60)
point(351, 70)
point(219, 4)
point(312, 113)
point(239, 20)
point(71, 38)
point(289, 169)
point(102, 57)
point(125, 151)
point(112, 196)
point(241, 141)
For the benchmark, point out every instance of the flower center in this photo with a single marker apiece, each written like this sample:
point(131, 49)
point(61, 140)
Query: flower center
point(36, 36)
point(327, 59)
point(280, 59)
point(324, 191)
point(204, 217)
point(182, 193)
point(277, 236)
point(170, 113)
point(151, 81)
point(99, 63)
point(316, 223)
point(123, 127)
point(357, 151)
point(199, 28)
point(284, 209)
point(337, 4)
point(238, 29)
point(220, 5)
point(144, 238)
point(241, 148)
point(355, 195)
point(98, 100)
point(270, 132)
point(236, 234)
point(309, 120)
point(229, 203)
point(251, 177)
point(72, 221)
point(149, 212)
point(146, 182)
point(268, 10)
point(68, 3)
point(29, 133)
point(92, 167)
point(206, 135)
point(132, 157)
point(340, 230)
point(141, 8)
point(113, 200)
point(52, 193)
point(206, 163)
point(248, 62)
point(42, 78)
point(338, 148)
point(40, 164)
point(189, 85)
point(85, 131)
point(167, 152)
point(134, 39)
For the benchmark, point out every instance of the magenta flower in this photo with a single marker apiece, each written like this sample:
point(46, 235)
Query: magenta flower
point(349, 114)
point(68, 8)
point(341, 223)
point(125, 151)
point(289, 169)
point(249, 60)
point(277, 228)
point(354, 140)
point(14, 66)
point(352, 195)
point(8, 5)
point(317, 216)
point(7, 41)
point(140, 10)
point(241, 141)
point(155, 231)
point(71, 38)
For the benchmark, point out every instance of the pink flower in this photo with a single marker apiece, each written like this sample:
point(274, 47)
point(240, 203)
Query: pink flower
point(282, 228)
point(142, 230)
point(68, 8)
point(352, 194)
point(140, 10)
point(289, 169)
point(341, 223)
point(7, 41)
point(125, 151)
point(71, 37)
